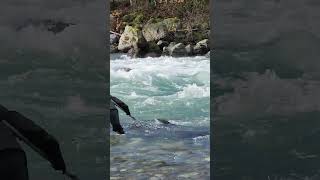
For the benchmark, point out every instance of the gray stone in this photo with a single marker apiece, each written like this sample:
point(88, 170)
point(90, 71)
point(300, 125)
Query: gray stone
point(114, 39)
point(189, 50)
point(155, 31)
point(178, 50)
point(208, 55)
point(202, 47)
point(131, 37)
point(162, 44)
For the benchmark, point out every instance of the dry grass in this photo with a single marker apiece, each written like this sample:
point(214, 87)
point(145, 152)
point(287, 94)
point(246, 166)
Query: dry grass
point(192, 13)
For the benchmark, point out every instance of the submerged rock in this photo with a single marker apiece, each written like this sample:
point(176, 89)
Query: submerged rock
point(125, 69)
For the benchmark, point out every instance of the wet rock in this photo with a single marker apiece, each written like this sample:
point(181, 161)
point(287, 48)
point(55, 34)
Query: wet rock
point(189, 50)
point(136, 52)
point(125, 69)
point(208, 55)
point(178, 50)
point(113, 48)
point(152, 54)
point(175, 49)
point(131, 38)
point(131, 52)
point(162, 44)
point(114, 39)
point(165, 51)
point(153, 49)
point(202, 47)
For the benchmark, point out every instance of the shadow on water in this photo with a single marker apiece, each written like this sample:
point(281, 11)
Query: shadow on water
point(275, 146)
point(267, 146)
point(64, 99)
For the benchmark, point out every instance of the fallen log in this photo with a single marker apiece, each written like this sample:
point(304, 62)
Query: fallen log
point(118, 34)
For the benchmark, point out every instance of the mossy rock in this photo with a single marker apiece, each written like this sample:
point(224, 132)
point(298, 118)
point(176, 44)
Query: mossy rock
point(155, 31)
point(172, 23)
point(131, 37)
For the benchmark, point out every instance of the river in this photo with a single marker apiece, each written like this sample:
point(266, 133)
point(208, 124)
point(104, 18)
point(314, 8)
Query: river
point(174, 89)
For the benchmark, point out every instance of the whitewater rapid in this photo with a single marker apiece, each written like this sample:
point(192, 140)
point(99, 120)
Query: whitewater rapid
point(177, 89)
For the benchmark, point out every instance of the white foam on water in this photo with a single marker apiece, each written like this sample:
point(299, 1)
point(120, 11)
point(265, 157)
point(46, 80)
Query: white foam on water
point(194, 91)
point(163, 87)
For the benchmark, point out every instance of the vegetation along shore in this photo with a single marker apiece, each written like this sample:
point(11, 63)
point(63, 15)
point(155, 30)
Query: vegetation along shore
point(151, 28)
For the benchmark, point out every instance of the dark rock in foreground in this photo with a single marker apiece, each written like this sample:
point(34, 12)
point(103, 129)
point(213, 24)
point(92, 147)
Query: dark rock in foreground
point(202, 47)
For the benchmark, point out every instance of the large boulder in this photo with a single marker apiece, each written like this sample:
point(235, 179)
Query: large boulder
point(202, 47)
point(131, 38)
point(155, 31)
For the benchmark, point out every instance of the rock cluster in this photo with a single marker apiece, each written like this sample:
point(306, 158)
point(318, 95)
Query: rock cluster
point(155, 39)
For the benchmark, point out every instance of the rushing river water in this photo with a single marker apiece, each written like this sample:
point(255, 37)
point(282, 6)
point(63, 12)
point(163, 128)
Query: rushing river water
point(175, 89)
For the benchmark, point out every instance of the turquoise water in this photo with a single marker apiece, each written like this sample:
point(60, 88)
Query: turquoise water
point(175, 89)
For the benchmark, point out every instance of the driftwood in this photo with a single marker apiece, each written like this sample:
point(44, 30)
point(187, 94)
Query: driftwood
point(112, 32)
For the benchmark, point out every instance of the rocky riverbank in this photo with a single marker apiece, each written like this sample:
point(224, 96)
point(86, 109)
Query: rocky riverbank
point(152, 34)
point(154, 40)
